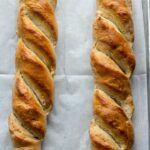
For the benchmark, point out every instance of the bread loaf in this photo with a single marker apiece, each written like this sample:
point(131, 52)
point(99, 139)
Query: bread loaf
point(112, 62)
point(33, 90)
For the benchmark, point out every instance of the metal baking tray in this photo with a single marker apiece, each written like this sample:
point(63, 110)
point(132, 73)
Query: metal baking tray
point(146, 13)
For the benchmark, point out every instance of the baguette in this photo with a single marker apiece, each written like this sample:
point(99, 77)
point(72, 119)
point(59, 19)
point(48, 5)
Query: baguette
point(33, 90)
point(113, 63)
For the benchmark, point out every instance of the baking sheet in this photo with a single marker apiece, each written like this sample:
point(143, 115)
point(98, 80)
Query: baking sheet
point(68, 124)
point(146, 14)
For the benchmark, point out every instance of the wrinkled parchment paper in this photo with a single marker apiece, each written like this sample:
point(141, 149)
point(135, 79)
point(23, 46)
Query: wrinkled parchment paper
point(68, 124)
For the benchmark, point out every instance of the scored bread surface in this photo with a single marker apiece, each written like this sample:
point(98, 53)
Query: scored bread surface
point(113, 63)
point(33, 90)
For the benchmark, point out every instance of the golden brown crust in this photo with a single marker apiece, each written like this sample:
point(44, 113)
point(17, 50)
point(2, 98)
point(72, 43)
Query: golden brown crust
point(110, 116)
point(112, 80)
point(29, 32)
point(27, 108)
point(112, 62)
point(111, 42)
point(31, 67)
point(33, 91)
point(100, 139)
point(119, 12)
point(20, 136)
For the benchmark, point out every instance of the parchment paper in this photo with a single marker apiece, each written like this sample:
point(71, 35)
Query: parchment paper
point(68, 124)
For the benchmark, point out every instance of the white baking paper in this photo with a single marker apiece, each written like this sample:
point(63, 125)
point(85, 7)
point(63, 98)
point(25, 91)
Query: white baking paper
point(68, 124)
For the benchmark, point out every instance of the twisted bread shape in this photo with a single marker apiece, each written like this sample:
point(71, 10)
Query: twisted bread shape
point(33, 90)
point(112, 62)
